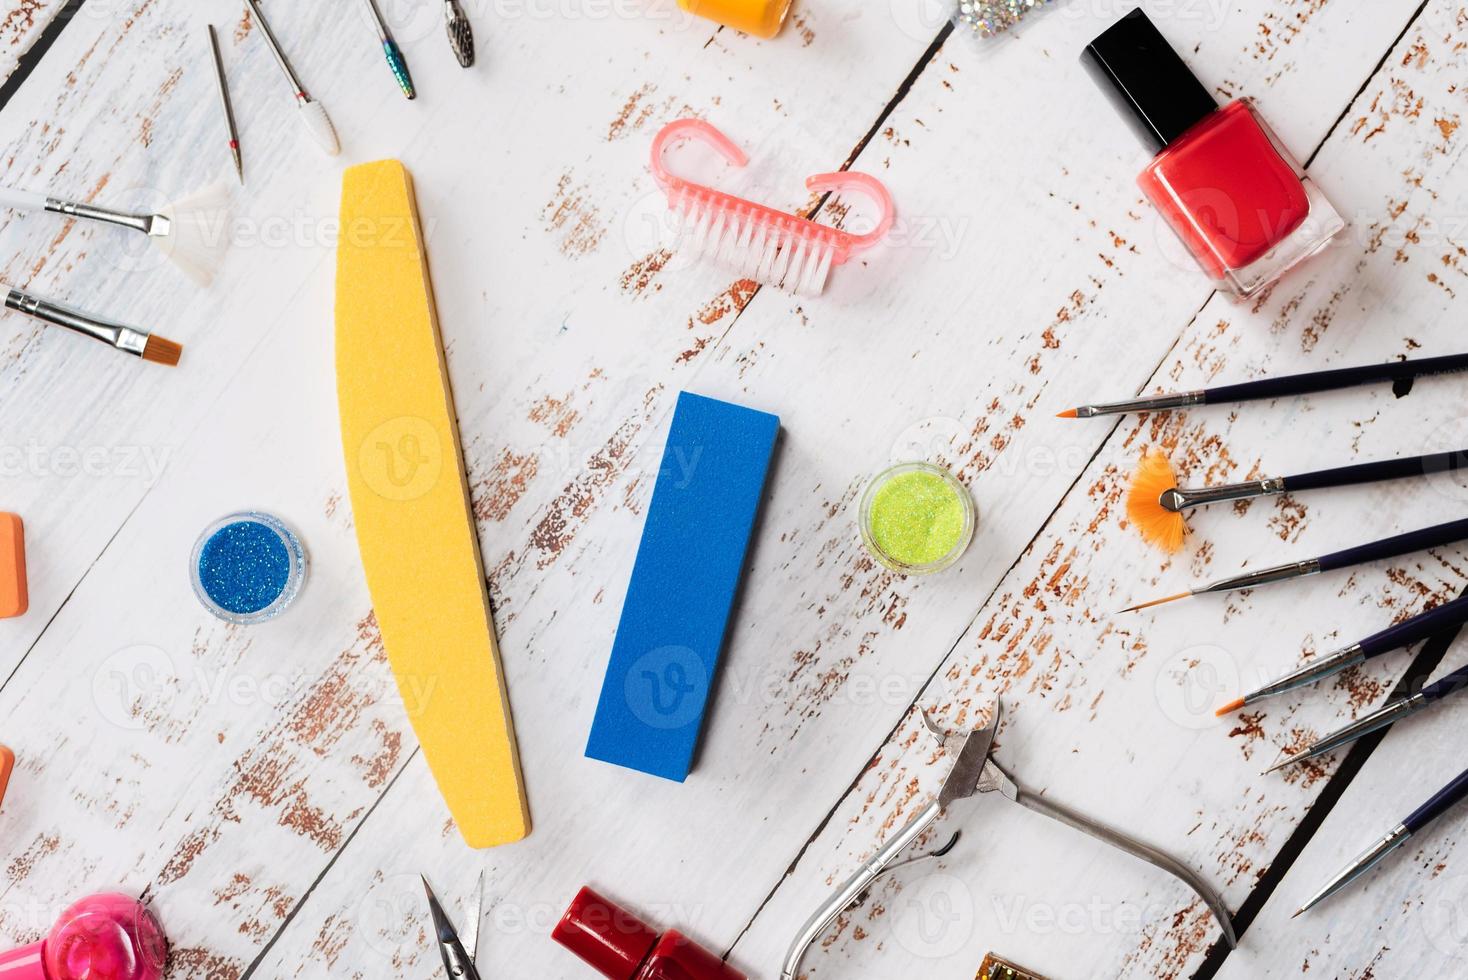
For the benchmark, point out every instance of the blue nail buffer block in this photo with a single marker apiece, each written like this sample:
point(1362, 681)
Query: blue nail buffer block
point(666, 653)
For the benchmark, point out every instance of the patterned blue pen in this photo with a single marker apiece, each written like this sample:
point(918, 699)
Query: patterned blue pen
point(1446, 798)
point(395, 59)
point(1388, 714)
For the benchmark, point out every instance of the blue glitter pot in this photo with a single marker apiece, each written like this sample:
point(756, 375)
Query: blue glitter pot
point(247, 568)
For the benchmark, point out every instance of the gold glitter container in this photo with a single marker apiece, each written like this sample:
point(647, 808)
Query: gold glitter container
point(917, 518)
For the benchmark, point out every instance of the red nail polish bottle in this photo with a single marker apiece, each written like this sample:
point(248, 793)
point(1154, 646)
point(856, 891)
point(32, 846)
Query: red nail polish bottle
point(1222, 180)
point(620, 946)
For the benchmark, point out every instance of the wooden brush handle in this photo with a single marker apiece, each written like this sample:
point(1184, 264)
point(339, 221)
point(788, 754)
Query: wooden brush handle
point(1402, 544)
point(1390, 469)
point(1448, 616)
point(1445, 799)
point(1305, 384)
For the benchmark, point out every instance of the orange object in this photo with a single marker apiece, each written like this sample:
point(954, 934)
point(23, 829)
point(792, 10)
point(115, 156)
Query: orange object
point(1159, 526)
point(7, 763)
point(14, 599)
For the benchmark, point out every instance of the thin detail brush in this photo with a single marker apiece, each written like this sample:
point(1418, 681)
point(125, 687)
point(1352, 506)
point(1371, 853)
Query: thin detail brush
point(129, 340)
point(226, 104)
point(1446, 798)
point(1155, 503)
point(1388, 714)
point(192, 233)
point(1450, 615)
point(313, 113)
point(1394, 547)
point(1396, 372)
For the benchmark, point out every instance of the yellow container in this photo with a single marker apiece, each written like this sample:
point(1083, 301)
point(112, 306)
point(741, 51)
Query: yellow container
point(762, 18)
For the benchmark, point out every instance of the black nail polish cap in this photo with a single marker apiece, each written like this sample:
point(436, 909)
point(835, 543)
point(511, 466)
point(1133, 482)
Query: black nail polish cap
point(1148, 81)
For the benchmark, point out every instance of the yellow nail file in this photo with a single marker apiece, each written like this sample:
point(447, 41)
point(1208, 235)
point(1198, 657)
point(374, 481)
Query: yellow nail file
point(411, 507)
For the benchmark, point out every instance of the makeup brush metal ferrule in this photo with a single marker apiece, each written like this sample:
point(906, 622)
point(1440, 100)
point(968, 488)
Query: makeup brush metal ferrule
point(1397, 372)
point(1388, 714)
point(1237, 583)
point(393, 53)
point(1177, 500)
point(1444, 800)
point(1450, 615)
point(461, 32)
point(129, 340)
point(1376, 720)
point(1369, 859)
point(1153, 403)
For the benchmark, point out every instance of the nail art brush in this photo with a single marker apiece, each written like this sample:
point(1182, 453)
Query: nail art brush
point(1155, 503)
point(1311, 382)
point(313, 113)
point(226, 104)
point(1445, 799)
point(390, 49)
point(192, 233)
point(1394, 547)
point(1388, 714)
point(1450, 615)
point(461, 32)
point(129, 340)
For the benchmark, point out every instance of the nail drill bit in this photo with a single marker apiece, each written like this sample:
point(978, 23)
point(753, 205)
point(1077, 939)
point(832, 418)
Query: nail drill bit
point(228, 106)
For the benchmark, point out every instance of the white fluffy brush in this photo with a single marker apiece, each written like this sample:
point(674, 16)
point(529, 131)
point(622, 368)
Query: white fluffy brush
point(193, 233)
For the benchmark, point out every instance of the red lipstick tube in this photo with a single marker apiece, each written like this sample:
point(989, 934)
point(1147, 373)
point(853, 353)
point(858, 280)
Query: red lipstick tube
point(1222, 180)
point(620, 946)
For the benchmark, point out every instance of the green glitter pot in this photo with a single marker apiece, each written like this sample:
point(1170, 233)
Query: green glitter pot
point(917, 518)
point(247, 568)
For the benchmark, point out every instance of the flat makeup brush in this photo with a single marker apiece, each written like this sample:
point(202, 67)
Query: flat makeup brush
point(129, 340)
point(1388, 714)
point(1396, 372)
point(192, 233)
point(1395, 547)
point(1449, 615)
point(1155, 503)
point(313, 114)
point(1448, 797)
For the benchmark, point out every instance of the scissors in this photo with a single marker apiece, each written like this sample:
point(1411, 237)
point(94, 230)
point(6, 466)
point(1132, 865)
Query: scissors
point(458, 962)
point(975, 773)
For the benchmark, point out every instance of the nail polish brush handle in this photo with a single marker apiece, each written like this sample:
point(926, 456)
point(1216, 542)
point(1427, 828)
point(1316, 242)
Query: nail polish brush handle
point(1395, 547)
point(1449, 615)
point(1444, 800)
point(1318, 381)
point(1389, 469)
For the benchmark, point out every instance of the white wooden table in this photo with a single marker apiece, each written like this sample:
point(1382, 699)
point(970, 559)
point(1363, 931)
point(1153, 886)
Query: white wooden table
point(262, 787)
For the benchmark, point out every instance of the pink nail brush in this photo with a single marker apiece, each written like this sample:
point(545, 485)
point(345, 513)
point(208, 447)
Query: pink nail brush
point(757, 242)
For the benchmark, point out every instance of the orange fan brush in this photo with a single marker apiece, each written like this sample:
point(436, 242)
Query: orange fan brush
point(1158, 525)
